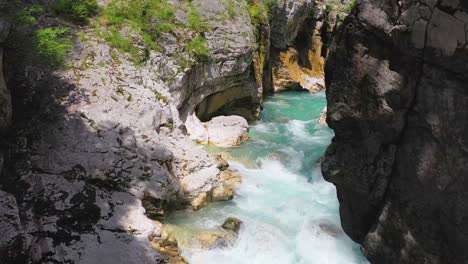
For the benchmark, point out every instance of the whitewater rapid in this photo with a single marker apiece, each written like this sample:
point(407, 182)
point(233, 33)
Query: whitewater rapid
point(289, 213)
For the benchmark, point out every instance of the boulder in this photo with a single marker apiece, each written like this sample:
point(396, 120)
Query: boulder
point(232, 224)
point(225, 190)
point(227, 131)
point(230, 178)
point(209, 240)
point(222, 163)
point(200, 201)
point(168, 246)
point(330, 229)
point(222, 192)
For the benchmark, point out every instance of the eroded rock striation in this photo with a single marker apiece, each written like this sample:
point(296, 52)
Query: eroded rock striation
point(98, 150)
point(397, 101)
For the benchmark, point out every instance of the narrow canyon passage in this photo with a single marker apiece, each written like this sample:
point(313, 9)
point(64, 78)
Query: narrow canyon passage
point(289, 213)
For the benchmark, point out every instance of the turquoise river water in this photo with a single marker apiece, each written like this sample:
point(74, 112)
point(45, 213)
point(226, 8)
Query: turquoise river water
point(289, 213)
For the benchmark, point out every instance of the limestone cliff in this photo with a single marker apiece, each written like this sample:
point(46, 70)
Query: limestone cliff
point(99, 149)
point(397, 101)
point(96, 136)
point(300, 34)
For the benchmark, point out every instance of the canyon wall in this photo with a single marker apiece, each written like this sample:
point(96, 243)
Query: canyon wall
point(99, 149)
point(93, 152)
point(397, 99)
point(300, 34)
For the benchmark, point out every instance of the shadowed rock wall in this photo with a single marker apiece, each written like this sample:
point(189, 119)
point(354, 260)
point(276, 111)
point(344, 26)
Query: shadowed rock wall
point(398, 102)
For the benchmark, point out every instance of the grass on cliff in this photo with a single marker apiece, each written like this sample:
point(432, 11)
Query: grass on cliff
point(125, 23)
point(260, 11)
point(28, 40)
point(77, 11)
point(260, 14)
point(339, 7)
point(151, 17)
point(52, 44)
point(148, 19)
point(27, 15)
point(349, 7)
point(343, 10)
point(199, 47)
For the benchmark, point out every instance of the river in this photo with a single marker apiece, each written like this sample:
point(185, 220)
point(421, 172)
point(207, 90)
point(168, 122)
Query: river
point(289, 213)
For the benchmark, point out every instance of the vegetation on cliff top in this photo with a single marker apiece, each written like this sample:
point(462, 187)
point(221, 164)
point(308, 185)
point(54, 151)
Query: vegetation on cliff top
point(134, 27)
point(123, 23)
point(130, 26)
point(52, 44)
point(76, 10)
point(45, 42)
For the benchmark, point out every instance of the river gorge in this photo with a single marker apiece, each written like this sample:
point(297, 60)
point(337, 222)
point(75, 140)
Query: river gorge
point(233, 131)
point(289, 213)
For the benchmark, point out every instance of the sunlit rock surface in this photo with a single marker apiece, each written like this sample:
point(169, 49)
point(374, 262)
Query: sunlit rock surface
point(99, 147)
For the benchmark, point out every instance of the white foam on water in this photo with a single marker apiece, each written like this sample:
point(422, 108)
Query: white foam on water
point(282, 214)
point(317, 246)
point(298, 129)
point(287, 217)
point(281, 103)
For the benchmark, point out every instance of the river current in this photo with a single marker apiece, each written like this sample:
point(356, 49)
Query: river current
point(289, 212)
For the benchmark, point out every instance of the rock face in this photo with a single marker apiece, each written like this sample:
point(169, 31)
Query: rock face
point(5, 97)
point(300, 35)
point(289, 18)
point(9, 226)
point(295, 33)
point(397, 101)
point(224, 85)
point(99, 148)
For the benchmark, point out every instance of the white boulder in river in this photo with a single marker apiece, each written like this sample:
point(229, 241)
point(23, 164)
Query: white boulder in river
point(221, 131)
point(227, 131)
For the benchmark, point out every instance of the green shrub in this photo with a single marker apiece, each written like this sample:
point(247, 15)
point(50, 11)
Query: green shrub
point(231, 8)
point(349, 7)
point(27, 16)
point(195, 20)
point(339, 7)
point(52, 44)
point(76, 10)
point(116, 40)
point(152, 17)
point(199, 47)
point(149, 18)
point(260, 11)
